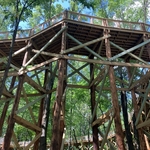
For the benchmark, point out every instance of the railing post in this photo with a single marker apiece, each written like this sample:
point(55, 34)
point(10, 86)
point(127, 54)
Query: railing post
point(31, 32)
point(91, 20)
point(105, 22)
point(142, 26)
point(65, 14)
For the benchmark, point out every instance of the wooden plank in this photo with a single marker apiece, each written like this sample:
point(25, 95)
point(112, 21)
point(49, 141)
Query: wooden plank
point(144, 79)
point(11, 122)
point(104, 118)
point(86, 44)
point(37, 66)
point(32, 142)
point(115, 103)
point(87, 48)
point(34, 84)
point(134, 56)
point(43, 48)
point(16, 141)
point(143, 124)
point(95, 61)
point(26, 123)
point(29, 108)
point(78, 71)
point(98, 78)
point(7, 93)
point(29, 104)
point(77, 86)
point(129, 50)
point(107, 131)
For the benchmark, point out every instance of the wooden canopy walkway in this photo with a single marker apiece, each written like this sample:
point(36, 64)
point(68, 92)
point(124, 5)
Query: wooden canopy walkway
point(105, 46)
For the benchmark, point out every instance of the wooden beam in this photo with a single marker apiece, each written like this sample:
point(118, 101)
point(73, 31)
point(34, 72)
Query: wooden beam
point(87, 48)
point(104, 118)
point(144, 79)
point(134, 56)
point(11, 122)
point(98, 78)
point(76, 70)
point(7, 93)
point(42, 49)
point(143, 124)
point(115, 103)
point(143, 104)
point(86, 44)
point(34, 84)
point(129, 50)
point(107, 131)
point(125, 64)
point(29, 108)
point(17, 146)
point(57, 133)
point(26, 123)
point(29, 104)
point(32, 142)
point(37, 66)
point(99, 94)
point(79, 73)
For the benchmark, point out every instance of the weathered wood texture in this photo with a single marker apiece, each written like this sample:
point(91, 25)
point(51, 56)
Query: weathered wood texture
point(115, 103)
point(93, 99)
point(75, 37)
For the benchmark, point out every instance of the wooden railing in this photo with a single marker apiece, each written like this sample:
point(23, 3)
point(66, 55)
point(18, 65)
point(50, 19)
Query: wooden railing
point(82, 18)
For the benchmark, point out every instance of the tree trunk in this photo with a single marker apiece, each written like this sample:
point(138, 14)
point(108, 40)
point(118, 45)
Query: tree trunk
point(116, 108)
point(94, 128)
point(126, 121)
point(49, 82)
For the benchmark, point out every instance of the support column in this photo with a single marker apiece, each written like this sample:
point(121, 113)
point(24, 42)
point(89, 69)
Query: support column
point(118, 128)
point(94, 128)
point(48, 84)
point(3, 115)
point(11, 121)
point(142, 142)
point(57, 122)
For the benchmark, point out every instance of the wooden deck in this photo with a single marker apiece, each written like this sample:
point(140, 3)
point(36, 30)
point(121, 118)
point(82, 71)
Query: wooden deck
point(60, 38)
point(82, 27)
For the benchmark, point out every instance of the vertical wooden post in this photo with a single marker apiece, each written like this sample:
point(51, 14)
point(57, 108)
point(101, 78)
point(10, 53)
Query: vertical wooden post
point(117, 120)
point(11, 121)
point(57, 128)
point(3, 115)
point(36, 144)
point(94, 128)
point(142, 142)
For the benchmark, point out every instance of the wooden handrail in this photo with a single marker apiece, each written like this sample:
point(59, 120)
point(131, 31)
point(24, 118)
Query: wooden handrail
point(78, 17)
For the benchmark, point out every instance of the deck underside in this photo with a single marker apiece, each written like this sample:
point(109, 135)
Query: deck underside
point(40, 59)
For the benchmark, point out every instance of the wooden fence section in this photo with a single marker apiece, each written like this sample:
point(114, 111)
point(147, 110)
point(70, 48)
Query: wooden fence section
point(109, 23)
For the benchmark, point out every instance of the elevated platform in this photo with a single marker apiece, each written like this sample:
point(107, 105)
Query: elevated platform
point(82, 27)
point(105, 48)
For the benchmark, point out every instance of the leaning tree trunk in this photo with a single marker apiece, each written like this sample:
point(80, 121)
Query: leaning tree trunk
point(126, 122)
point(125, 115)
point(49, 82)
